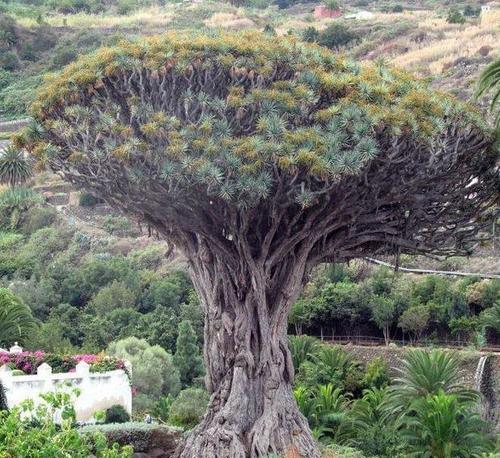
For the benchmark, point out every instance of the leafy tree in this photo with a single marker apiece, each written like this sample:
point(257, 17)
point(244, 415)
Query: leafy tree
point(16, 321)
point(153, 371)
point(415, 321)
point(490, 81)
point(383, 313)
point(187, 357)
point(299, 315)
point(14, 168)
point(441, 426)
point(261, 158)
point(115, 295)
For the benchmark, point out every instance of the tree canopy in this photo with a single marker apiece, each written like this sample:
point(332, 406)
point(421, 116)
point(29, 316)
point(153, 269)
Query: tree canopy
point(259, 158)
point(188, 131)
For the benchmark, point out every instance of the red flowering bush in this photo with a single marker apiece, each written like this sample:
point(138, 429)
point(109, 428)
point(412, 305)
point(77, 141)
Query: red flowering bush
point(28, 361)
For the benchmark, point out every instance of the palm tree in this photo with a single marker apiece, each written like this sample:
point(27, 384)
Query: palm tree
point(441, 426)
point(367, 428)
point(491, 317)
point(490, 81)
point(16, 320)
point(426, 373)
point(14, 168)
point(325, 408)
point(302, 347)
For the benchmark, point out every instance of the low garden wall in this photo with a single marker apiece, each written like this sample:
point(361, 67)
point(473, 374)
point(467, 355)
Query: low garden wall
point(100, 386)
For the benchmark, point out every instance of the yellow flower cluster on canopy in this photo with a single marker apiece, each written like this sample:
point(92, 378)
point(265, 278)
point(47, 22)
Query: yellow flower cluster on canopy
point(279, 103)
point(390, 97)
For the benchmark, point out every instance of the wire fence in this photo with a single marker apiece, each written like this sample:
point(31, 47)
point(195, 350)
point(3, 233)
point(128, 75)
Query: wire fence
point(370, 341)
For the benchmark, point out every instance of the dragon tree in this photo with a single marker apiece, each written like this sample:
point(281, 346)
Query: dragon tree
point(259, 158)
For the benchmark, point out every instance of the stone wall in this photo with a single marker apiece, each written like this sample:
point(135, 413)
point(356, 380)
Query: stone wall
point(99, 391)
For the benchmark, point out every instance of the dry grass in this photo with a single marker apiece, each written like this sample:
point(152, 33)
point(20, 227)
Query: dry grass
point(229, 21)
point(445, 43)
point(150, 17)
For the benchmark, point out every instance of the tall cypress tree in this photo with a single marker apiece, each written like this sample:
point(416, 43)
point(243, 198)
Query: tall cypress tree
point(187, 354)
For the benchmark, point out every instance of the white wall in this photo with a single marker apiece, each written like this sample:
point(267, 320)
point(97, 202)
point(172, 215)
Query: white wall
point(98, 390)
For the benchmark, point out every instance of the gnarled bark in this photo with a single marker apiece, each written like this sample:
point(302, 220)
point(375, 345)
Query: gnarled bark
point(252, 411)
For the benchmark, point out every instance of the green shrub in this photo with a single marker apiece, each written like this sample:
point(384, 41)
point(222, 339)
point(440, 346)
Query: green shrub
point(188, 408)
point(9, 61)
point(38, 218)
point(397, 8)
point(15, 98)
point(337, 35)
point(3, 399)
point(118, 225)
point(311, 34)
point(5, 78)
point(376, 374)
point(455, 17)
point(113, 296)
point(142, 437)
point(88, 200)
point(23, 437)
point(162, 407)
point(116, 414)
point(8, 32)
point(154, 373)
point(64, 55)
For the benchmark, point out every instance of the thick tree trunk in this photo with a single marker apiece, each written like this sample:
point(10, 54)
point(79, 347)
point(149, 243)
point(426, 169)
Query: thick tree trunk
point(252, 411)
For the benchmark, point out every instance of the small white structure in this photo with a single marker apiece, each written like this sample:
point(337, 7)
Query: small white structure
point(16, 349)
point(361, 16)
point(98, 391)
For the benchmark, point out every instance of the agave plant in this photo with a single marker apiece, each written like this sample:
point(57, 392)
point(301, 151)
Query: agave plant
point(16, 321)
point(426, 373)
point(14, 203)
point(14, 168)
point(490, 81)
point(442, 426)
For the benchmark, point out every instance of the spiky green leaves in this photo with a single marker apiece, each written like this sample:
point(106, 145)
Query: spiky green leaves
point(14, 167)
point(225, 114)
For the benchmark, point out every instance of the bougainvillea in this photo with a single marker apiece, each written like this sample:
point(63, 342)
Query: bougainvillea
point(29, 361)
